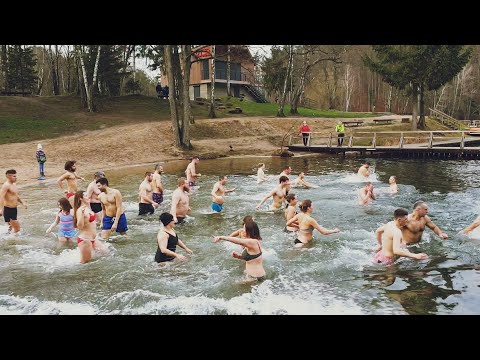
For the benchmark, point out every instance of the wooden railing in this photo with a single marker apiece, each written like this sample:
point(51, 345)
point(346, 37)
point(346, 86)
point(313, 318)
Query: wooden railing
point(401, 138)
point(446, 119)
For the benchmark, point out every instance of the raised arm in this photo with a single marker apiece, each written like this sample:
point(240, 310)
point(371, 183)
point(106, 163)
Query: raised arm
point(321, 229)
point(236, 233)
point(472, 226)
point(398, 250)
point(266, 198)
point(244, 242)
point(435, 228)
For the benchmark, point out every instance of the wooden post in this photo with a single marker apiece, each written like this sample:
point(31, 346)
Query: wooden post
point(309, 137)
point(374, 140)
point(350, 142)
point(290, 141)
point(330, 141)
point(401, 140)
point(430, 141)
point(462, 143)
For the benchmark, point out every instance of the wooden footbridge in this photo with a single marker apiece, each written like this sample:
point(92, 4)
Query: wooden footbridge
point(432, 144)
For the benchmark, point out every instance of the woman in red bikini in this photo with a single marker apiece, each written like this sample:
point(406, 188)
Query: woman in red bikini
point(84, 220)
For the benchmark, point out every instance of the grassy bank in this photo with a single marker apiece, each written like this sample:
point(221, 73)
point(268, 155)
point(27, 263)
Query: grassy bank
point(33, 118)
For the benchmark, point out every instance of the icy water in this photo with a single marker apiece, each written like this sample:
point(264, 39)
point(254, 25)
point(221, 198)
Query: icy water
point(333, 276)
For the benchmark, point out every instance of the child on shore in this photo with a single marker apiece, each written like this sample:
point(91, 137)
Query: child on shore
point(41, 158)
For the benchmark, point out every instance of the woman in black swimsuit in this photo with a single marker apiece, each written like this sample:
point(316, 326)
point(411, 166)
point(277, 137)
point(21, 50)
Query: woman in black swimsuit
point(252, 250)
point(167, 241)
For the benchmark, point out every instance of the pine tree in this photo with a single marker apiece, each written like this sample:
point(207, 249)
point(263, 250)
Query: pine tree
point(418, 68)
point(21, 68)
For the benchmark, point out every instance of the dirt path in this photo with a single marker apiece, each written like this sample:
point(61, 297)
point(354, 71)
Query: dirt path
point(146, 143)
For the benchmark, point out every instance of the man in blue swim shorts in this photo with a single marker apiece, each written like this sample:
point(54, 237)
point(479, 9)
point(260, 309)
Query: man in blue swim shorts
point(114, 217)
point(218, 193)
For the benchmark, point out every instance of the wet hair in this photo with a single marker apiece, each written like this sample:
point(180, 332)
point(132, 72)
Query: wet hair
point(99, 174)
point(65, 204)
point(394, 177)
point(368, 183)
point(69, 164)
point(102, 181)
point(247, 219)
point(287, 167)
point(158, 166)
point(77, 202)
point(305, 205)
point(290, 197)
point(418, 204)
point(400, 212)
point(261, 164)
point(195, 157)
point(252, 230)
point(11, 172)
point(221, 177)
point(148, 173)
point(367, 163)
point(181, 181)
point(283, 178)
point(166, 218)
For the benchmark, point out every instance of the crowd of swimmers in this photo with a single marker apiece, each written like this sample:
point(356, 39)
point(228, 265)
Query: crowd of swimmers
point(80, 212)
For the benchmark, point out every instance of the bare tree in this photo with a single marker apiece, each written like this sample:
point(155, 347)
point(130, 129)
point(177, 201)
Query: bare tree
point(281, 103)
point(211, 112)
point(89, 86)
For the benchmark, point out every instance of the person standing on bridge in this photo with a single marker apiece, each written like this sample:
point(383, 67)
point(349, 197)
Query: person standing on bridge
point(305, 131)
point(340, 130)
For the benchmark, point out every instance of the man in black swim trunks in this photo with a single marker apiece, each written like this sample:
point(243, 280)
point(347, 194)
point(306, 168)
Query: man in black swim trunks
point(9, 200)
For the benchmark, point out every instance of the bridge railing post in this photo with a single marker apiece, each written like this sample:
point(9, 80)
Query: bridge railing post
point(290, 140)
point(462, 142)
point(401, 140)
point(430, 141)
point(374, 140)
point(309, 138)
point(350, 141)
point(330, 141)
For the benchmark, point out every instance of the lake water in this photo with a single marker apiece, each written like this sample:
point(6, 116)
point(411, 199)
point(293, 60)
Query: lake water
point(333, 276)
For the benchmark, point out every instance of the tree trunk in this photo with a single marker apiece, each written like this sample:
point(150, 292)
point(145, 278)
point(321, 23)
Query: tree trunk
point(178, 84)
point(53, 71)
point(281, 104)
point(228, 71)
point(211, 113)
point(4, 68)
point(421, 121)
point(414, 107)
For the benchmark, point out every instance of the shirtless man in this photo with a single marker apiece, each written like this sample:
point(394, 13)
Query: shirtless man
point(301, 182)
point(278, 194)
point(180, 201)
point(92, 193)
point(113, 214)
point(218, 193)
point(9, 200)
point(364, 170)
point(286, 172)
point(71, 177)
point(191, 172)
point(392, 240)
point(417, 220)
point(157, 186)
point(393, 184)
point(365, 194)
point(146, 204)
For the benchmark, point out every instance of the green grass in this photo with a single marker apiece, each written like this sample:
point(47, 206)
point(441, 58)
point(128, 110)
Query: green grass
point(251, 108)
point(33, 118)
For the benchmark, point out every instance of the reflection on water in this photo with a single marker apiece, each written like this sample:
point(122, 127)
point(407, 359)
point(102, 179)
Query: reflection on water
point(334, 275)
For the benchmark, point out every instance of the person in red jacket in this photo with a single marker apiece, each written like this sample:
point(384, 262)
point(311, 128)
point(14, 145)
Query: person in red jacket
point(305, 131)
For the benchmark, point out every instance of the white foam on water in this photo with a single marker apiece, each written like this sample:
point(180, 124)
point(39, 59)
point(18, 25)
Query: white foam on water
point(264, 299)
point(15, 305)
